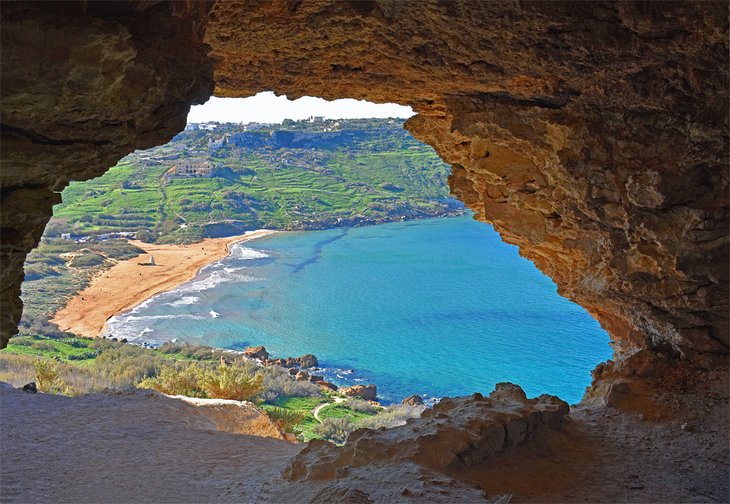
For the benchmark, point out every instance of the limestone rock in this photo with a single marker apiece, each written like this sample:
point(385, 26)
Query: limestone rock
point(597, 144)
point(456, 433)
point(307, 361)
point(256, 352)
point(366, 392)
point(413, 400)
point(328, 385)
point(31, 388)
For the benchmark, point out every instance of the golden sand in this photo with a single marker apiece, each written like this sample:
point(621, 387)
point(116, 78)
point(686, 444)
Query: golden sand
point(127, 283)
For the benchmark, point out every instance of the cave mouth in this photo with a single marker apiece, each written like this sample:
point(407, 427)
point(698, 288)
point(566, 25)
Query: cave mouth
point(389, 320)
point(609, 176)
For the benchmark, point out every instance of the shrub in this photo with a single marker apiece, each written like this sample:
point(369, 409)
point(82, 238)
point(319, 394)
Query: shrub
point(361, 406)
point(43, 346)
point(334, 429)
point(47, 377)
point(236, 381)
point(232, 382)
point(285, 419)
point(87, 260)
point(22, 340)
point(177, 380)
point(392, 416)
point(278, 383)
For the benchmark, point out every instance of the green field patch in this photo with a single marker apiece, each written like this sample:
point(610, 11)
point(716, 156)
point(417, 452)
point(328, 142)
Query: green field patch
point(341, 411)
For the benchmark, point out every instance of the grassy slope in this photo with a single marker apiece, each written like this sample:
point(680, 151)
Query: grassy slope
point(383, 174)
point(82, 355)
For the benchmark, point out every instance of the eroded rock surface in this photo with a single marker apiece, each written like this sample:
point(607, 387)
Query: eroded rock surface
point(456, 433)
point(593, 135)
point(83, 84)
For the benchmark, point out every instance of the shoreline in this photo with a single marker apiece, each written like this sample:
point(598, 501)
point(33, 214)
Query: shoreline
point(127, 283)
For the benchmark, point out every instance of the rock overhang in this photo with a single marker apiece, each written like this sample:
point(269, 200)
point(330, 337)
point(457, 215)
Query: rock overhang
point(593, 136)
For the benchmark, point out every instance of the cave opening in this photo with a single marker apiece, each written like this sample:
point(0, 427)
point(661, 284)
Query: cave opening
point(381, 303)
point(592, 136)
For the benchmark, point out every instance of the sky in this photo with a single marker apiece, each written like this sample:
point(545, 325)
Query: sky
point(268, 108)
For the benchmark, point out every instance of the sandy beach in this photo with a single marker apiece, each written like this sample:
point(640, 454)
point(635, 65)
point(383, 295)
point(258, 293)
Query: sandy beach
point(127, 283)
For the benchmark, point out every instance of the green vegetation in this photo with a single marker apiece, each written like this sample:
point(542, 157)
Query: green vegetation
point(301, 407)
point(239, 381)
point(298, 175)
point(72, 366)
point(57, 269)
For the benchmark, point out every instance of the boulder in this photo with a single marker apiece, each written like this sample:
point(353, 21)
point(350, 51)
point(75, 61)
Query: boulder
point(328, 385)
point(302, 376)
point(291, 362)
point(307, 361)
point(367, 392)
point(414, 400)
point(30, 388)
point(256, 352)
point(316, 378)
point(293, 371)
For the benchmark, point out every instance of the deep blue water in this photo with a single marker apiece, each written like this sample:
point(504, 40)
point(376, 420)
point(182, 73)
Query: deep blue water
point(440, 307)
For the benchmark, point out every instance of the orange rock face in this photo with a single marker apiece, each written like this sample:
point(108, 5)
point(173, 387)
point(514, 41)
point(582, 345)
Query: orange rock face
point(592, 135)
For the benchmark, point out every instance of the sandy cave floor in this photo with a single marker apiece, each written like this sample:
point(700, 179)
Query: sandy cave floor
point(142, 447)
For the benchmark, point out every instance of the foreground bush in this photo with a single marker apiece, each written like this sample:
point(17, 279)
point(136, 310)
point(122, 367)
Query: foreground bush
point(284, 418)
point(232, 382)
point(392, 416)
point(47, 377)
point(334, 429)
point(237, 381)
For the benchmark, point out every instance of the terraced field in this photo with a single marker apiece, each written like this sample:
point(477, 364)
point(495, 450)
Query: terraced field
point(299, 175)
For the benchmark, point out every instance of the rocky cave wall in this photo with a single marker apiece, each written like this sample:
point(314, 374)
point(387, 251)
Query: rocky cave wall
point(594, 135)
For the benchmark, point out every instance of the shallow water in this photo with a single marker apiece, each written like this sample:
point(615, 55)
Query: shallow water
point(440, 307)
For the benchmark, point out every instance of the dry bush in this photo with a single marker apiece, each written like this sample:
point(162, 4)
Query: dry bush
point(232, 382)
point(392, 416)
point(239, 381)
point(278, 383)
point(17, 369)
point(180, 379)
point(48, 379)
point(285, 419)
point(361, 406)
point(334, 429)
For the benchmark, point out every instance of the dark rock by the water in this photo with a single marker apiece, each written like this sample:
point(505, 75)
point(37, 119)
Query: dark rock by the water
point(316, 378)
point(414, 400)
point(327, 384)
point(293, 371)
point(257, 352)
point(291, 362)
point(30, 388)
point(367, 392)
point(307, 361)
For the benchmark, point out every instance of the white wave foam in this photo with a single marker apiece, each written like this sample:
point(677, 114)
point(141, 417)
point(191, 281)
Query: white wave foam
point(249, 253)
point(215, 278)
point(214, 314)
point(135, 318)
point(184, 301)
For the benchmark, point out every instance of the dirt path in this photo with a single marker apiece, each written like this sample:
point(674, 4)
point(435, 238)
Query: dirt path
point(316, 410)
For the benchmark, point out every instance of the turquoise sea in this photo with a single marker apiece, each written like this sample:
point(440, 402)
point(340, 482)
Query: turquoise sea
point(438, 307)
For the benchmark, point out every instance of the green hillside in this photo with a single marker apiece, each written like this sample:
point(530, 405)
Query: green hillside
point(298, 175)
